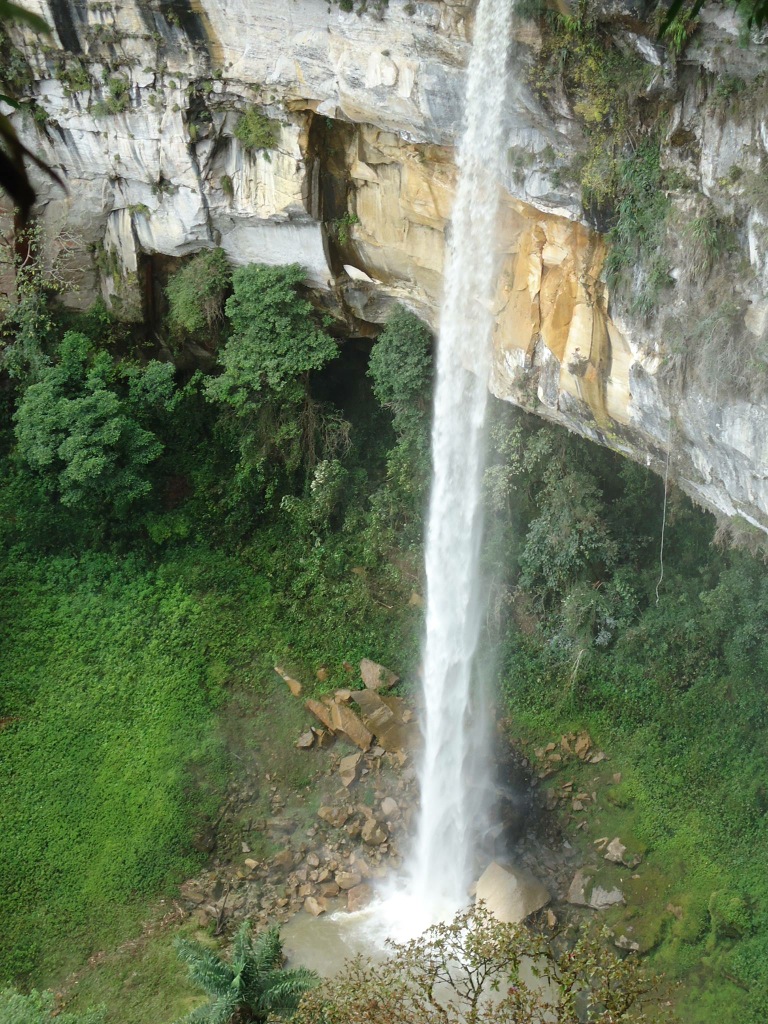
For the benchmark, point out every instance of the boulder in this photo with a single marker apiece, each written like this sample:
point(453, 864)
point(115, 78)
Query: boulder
point(348, 879)
point(314, 906)
point(324, 737)
point(584, 893)
point(344, 719)
point(377, 677)
point(583, 746)
point(348, 768)
point(390, 809)
point(322, 675)
point(359, 897)
point(577, 893)
point(306, 740)
point(615, 851)
point(335, 816)
point(601, 899)
point(283, 860)
point(372, 833)
point(321, 711)
point(384, 717)
point(510, 894)
point(293, 684)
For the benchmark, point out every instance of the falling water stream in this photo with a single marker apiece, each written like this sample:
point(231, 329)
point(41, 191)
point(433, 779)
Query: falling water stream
point(454, 776)
point(455, 767)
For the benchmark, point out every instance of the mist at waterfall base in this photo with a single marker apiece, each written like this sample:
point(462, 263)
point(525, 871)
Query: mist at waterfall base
point(455, 770)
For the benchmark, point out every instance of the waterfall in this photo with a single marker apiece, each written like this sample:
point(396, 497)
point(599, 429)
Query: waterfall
point(455, 764)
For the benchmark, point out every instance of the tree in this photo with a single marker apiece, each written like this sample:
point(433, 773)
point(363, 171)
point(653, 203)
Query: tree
point(470, 971)
point(275, 341)
point(252, 986)
point(400, 367)
point(82, 436)
point(267, 363)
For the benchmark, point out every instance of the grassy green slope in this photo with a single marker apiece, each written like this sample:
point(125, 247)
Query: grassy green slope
point(112, 671)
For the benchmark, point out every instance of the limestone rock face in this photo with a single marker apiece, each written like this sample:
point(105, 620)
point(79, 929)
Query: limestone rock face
point(510, 894)
point(366, 110)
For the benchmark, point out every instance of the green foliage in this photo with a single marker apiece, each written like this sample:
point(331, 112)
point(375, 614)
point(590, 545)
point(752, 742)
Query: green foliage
point(82, 437)
point(601, 84)
point(28, 333)
point(104, 682)
point(340, 228)
point(252, 986)
point(678, 30)
point(196, 293)
point(257, 131)
point(450, 972)
point(40, 1008)
point(118, 98)
point(754, 12)
point(274, 342)
point(707, 242)
point(568, 541)
point(400, 367)
point(227, 186)
point(270, 417)
point(72, 73)
point(637, 265)
point(15, 72)
point(674, 686)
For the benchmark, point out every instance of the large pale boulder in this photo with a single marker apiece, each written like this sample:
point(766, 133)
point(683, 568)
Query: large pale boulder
point(510, 894)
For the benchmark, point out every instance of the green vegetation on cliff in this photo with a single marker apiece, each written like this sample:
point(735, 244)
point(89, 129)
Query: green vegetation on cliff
point(667, 673)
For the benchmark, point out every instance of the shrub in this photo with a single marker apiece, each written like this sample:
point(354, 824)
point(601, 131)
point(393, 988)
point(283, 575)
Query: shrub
point(80, 435)
point(451, 972)
point(117, 101)
point(196, 293)
point(257, 131)
point(40, 1008)
point(637, 265)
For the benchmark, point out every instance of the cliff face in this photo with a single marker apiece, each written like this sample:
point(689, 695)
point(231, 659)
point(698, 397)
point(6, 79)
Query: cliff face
point(142, 100)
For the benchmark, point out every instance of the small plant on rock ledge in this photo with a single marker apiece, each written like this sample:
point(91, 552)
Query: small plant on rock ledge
point(118, 99)
point(257, 131)
point(340, 227)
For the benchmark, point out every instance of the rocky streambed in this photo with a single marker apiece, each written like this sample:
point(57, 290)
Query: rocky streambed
point(331, 848)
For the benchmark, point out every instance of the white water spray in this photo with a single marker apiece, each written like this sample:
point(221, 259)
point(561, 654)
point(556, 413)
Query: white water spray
point(454, 765)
